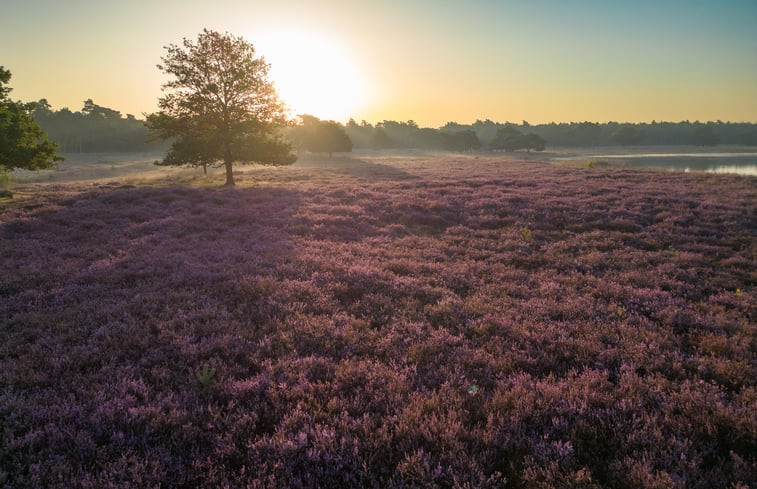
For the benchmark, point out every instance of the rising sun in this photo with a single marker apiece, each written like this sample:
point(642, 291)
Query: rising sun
point(314, 75)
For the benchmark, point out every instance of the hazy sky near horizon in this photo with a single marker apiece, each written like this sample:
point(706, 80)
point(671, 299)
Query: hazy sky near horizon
point(431, 61)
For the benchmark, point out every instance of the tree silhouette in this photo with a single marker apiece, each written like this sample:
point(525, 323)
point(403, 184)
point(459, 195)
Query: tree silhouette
point(533, 141)
point(23, 144)
point(219, 106)
point(507, 138)
point(380, 139)
point(94, 128)
point(460, 140)
point(704, 135)
point(320, 136)
point(628, 135)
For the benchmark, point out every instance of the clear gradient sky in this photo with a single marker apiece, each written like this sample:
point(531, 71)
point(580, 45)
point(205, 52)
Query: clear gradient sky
point(431, 61)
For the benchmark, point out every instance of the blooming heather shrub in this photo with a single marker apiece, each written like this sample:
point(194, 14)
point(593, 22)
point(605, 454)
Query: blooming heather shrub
point(386, 324)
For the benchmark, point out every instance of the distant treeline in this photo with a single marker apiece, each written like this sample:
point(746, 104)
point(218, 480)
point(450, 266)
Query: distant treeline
point(93, 129)
point(99, 129)
point(490, 135)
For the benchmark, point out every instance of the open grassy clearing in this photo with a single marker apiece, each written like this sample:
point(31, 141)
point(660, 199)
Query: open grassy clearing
point(381, 321)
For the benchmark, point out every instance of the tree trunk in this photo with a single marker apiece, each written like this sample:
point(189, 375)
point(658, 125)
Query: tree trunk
point(204, 168)
point(227, 158)
point(229, 174)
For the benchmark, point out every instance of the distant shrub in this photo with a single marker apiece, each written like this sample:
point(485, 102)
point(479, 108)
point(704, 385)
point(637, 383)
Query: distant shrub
point(597, 164)
point(206, 376)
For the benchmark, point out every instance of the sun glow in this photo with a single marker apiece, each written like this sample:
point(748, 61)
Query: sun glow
point(314, 75)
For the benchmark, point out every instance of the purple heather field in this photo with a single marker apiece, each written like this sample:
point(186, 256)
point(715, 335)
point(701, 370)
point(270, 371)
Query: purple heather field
point(382, 321)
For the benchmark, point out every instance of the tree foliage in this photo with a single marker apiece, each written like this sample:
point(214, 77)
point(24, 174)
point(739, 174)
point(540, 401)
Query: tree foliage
point(627, 135)
point(219, 105)
point(532, 141)
point(380, 139)
point(466, 140)
point(564, 134)
point(509, 138)
point(92, 129)
point(505, 139)
point(23, 144)
point(320, 136)
point(704, 135)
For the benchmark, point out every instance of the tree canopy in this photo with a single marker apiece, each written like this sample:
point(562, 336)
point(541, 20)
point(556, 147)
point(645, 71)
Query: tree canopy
point(23, 144)
point(380, 139)
point(565, 134)
point(320, 136)
point(704, 135)
point(505, 139)
point(465, 140)
point(508, 138)
point(93, 129)
point(219, 105)
point(628, 135)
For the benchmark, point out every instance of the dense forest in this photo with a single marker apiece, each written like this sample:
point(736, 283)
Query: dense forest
point(93, 129)
point(100, 129)
point(392, 134)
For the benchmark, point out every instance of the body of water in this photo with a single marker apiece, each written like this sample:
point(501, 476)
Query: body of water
point(736, 163)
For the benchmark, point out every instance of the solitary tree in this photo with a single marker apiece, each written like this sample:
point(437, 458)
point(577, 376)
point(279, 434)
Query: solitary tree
point(23, 144)
point(219, 105)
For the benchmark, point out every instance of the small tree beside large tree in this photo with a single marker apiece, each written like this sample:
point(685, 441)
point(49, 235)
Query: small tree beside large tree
point(23, 144)
point(219, 106)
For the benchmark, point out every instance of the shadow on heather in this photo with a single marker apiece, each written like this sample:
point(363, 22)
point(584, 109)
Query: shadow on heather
point(355, 167)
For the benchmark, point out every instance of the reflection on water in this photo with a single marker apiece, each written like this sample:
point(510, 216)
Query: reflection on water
point(680, 155)
point(739, 170)
point(738, 164)
point(734, 163)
